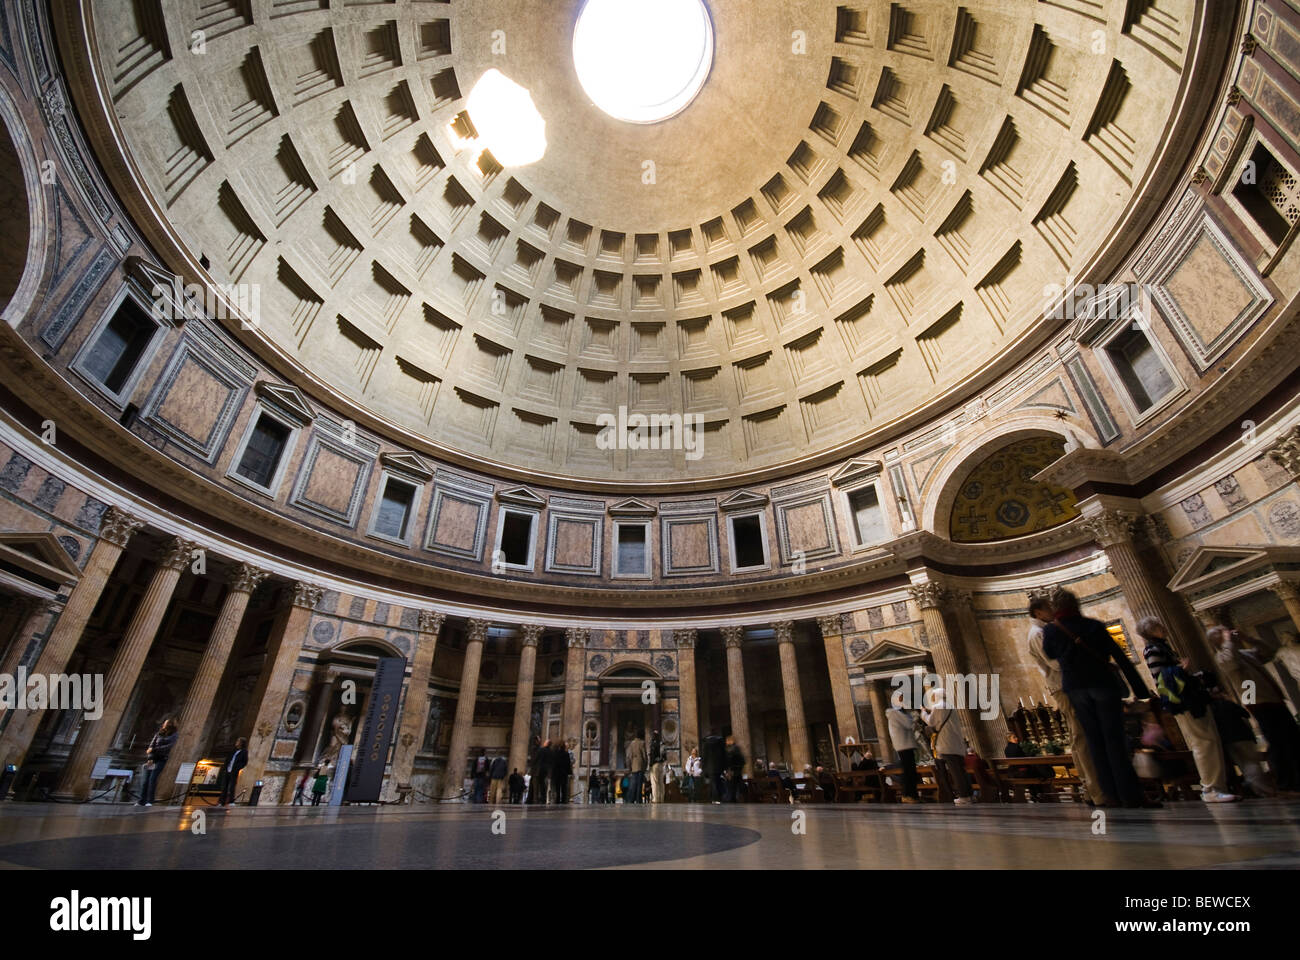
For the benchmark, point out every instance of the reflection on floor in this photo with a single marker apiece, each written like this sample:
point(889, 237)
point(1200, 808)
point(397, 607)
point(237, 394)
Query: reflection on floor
point(1258, 834)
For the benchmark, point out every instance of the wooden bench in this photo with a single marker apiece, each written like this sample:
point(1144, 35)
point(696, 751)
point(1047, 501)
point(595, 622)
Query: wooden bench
point(764, 789)
point(1016, 781)
point(926, 788)
point(857, 785)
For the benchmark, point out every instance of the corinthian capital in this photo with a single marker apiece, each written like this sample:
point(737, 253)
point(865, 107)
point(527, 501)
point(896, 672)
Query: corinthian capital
point(1286, 453)
point(477, 630)
point(429, 621)
point(577, 636)
point(784, 631)
point(118, 526)
point(685, 639)
point(532, 632)
point(832, 626)
point(928, 595)
point(733, 636)
point(1110, 527)
point(307, 595)
point(177, 553)
point(1286, 590)
point(245, 578)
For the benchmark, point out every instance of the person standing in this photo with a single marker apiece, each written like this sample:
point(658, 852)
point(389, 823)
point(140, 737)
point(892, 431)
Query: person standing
point(656, 768)
point(300, 792)
point(949, 748)
point(735, 769)
point(1251, 684)
point(318, 787)
point(902, 739)
point(535, 784)
point(636, 761)
point(1183, 697)
point(714, 763)
point(1040, 615)
point(1085, 651)
point(693, 770)
point(516, 787)
point(561, 768)
point(160, 748)
point(542, 780)
point(237, 761)
point(497, 780)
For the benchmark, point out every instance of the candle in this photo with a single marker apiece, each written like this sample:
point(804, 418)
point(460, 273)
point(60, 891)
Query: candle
point(1022, 703)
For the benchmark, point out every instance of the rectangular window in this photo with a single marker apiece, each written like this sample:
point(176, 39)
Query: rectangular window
point(121, 343)
point(868, 517)
point(393, 515)
point(262, 452)
point(516, 538)
point(1140, 368)
point(1271, 195)
point(631, 558)
point(747, 538)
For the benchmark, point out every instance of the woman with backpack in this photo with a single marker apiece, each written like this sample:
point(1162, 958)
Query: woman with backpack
point(1186, 699)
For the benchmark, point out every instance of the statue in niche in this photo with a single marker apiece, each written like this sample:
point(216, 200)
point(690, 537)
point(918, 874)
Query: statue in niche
point(340, 734)
point(433, 727)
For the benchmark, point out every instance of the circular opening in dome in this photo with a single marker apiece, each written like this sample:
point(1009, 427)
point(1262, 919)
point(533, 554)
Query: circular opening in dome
point(643, 60)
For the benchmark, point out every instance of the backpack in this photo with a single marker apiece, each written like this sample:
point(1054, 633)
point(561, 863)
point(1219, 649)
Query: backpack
point(1180, 693)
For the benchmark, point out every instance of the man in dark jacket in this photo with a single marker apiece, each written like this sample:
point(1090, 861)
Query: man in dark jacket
point(537, 779)
point(1085, 651)
point(735, 769)
point(714, 759)
point(237, 761)
point(497, 778)
point(516, 787)
point(160, 748)
point(561, 768)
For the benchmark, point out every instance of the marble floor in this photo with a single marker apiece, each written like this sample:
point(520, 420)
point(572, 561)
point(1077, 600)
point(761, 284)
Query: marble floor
point(1254, 835)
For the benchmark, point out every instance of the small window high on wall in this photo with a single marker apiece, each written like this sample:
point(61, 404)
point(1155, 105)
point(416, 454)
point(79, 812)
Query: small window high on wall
point(1140, 368)
point(869, 525)
point(263, 455)
point(1269, 192)
point(394, 510)
point(632, 556)
point(748, 542)
point(115, 351)
point(515, 538)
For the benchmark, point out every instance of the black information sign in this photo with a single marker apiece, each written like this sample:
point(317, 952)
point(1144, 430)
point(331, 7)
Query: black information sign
point(366, 778)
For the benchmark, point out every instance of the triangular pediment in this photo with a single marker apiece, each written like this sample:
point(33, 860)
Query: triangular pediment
point(633, 508)
point(521, 497)
point(40, 555)
point(155, 282)
point(287, 400)
point(409, 464)
point(743, 499)
point(888, 650)
point(1210, 565)
point(859, 468)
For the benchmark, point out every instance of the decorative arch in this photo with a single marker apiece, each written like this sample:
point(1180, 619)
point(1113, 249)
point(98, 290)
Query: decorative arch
point(365, 647)
point(959, 460)
point(999, 499)
point(630, 670)
point(22, 264)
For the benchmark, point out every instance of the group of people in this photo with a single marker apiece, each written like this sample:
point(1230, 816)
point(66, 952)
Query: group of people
point(159, 752)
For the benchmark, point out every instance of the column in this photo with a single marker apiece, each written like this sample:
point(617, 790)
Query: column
point(464, 718)
point(29, 616)
point(96, 736)
point(930, 597)
point(993, 730)
point(1289, 594)
point(796, 726)
point(1145, 592)
point(688, 708)
point(837, 667)
point(880, 704)
point(244, 579)
point(415, 709)
point(282, 649)
point(575, 675)
point(518, 758)
point(115, 530)
point(733, 637)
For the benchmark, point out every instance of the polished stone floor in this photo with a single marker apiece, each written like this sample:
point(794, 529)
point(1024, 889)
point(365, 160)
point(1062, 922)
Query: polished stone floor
point(1253, 835)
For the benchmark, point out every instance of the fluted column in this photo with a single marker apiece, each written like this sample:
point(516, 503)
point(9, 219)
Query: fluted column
point(29, 615)
point(282, 649)
point(415, 709)
point(115, 530)
point(244, 579)
point(518, 758)
point(1290, 596)
point(931, 597)
point(1146, 594)
point(96, 736)
point(575, 675)
point(992, 731)
point(796, 725)
point(464, 718)
point(879, 704)
point(837, 667)
point(688, 705)
point(733, 637)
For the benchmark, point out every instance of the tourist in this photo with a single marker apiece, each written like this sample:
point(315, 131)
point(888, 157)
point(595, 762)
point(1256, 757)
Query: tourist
point(497, 780)
point(714, 764)
point(636, 761)
point(735, 769)
point(160, 748)
point(1239, 743)
point(237, 761)
point(903, 740)
point(949, 749)
point(1251, 684)
point(318, 786)
point(1186, 700)
point(867, 762)
point(300, 791)
point(542, 781)
point(827, 783)
point(656, 768)
point(534, 771)
point(561, 770)
point(1040, 615)
point(517, 787)
point(1085, 651)
point(593, 787)
point(692, 772)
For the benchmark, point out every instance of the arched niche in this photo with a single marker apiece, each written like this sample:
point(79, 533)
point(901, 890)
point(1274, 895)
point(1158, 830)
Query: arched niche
point(995, 497)
point(23, 217)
